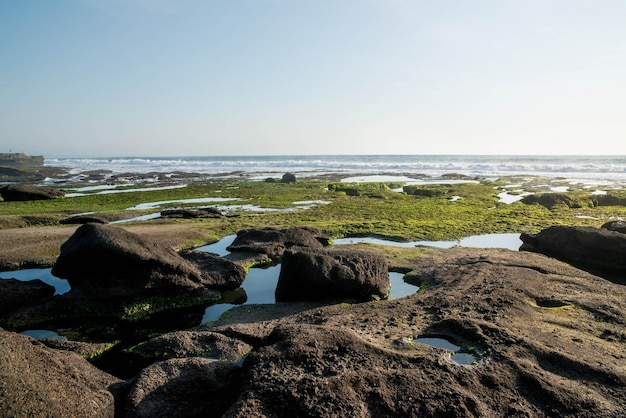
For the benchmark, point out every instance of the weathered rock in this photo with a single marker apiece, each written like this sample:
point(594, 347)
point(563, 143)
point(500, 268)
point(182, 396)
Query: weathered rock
point(182, 344)
point(274, 241)
point(81, 220)
point(617, 226)
point(36, 381)
point(16, 293)
point(216, 272)
point(191, 387)
point(550, 200)
point(22, 192)
point(532, 359)
point(288, 178)
point(589, 247)
point(336, 274)
point(104, 261)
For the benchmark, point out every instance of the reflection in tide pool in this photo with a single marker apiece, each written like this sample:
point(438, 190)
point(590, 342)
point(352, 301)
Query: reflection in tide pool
point(260, 286)
point(508, 241)
point(45, 275)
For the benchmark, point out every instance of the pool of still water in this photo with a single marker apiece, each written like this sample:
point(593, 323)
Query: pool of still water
point(260, 283)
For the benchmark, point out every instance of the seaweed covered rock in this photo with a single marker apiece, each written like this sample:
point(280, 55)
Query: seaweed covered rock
point(550, 200)
point(596, 248)
point(16, 293)
point(37, 381)
point(274, 241)
point(22, 192)
point(106, 261)
point(189, 387)
point(336, 274)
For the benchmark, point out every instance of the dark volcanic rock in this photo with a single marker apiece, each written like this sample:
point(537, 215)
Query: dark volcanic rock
point(336, 274)
point(274, 242)
point(181, 344)
point(21, 192)
point(617, 226)
point(595, 248)
point(16, 293)
point(550, 200)
point(36, 381)
point(81, 220)
point(216, 272)
point(193, 387)
point(288, 178)
point(105, 261)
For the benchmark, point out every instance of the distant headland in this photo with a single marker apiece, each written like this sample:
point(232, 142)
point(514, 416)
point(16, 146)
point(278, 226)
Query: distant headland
point(20, 159)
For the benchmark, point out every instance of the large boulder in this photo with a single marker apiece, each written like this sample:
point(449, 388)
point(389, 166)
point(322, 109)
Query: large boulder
point(596, 248)
point(22, 192)
point(105, 261)
point(336, 274)
point(16, 293)
point(189, 387)
point(37, 381)
point(216, 272)
point(274, 241)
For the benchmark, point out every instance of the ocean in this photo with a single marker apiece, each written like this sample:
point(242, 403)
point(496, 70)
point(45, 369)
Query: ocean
point(612, 168)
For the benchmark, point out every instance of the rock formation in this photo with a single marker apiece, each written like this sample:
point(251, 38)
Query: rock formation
point(332, 274)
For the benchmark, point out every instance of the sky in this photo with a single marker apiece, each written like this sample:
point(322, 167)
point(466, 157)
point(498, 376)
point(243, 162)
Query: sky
point(97, 78)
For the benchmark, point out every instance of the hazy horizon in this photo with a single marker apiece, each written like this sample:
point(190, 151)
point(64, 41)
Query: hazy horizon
point(113, 78)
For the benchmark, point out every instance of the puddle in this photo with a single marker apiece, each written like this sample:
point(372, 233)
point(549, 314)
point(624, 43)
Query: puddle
point(45, 275)
point(460, 357)
point(508, 241)
point(260, 287)
point(113, 189)
point(39, 334)
point(155, 205)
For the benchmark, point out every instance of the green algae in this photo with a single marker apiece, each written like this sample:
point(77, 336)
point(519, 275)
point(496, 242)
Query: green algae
point(354, 209)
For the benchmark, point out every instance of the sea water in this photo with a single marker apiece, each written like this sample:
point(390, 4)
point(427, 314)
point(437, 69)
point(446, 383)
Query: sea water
point(585, 168)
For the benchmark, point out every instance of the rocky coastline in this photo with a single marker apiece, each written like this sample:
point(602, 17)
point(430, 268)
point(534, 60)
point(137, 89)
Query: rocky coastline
point(542, 331)
point(547, 338)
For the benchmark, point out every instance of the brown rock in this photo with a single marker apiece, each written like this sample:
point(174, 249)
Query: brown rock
point(16, 293)
point(274, 242)
point(216, 272)
point(336, 274)
point(36, 381)
point(191, 387)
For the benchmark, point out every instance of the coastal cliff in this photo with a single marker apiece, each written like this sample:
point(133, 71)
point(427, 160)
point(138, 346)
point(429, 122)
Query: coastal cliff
point(20, 159)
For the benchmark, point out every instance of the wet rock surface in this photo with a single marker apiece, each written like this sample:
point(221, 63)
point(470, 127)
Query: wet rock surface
point(332, 274)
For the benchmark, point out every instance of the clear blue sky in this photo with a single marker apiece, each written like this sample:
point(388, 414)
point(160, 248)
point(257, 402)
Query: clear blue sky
point(245, 77)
